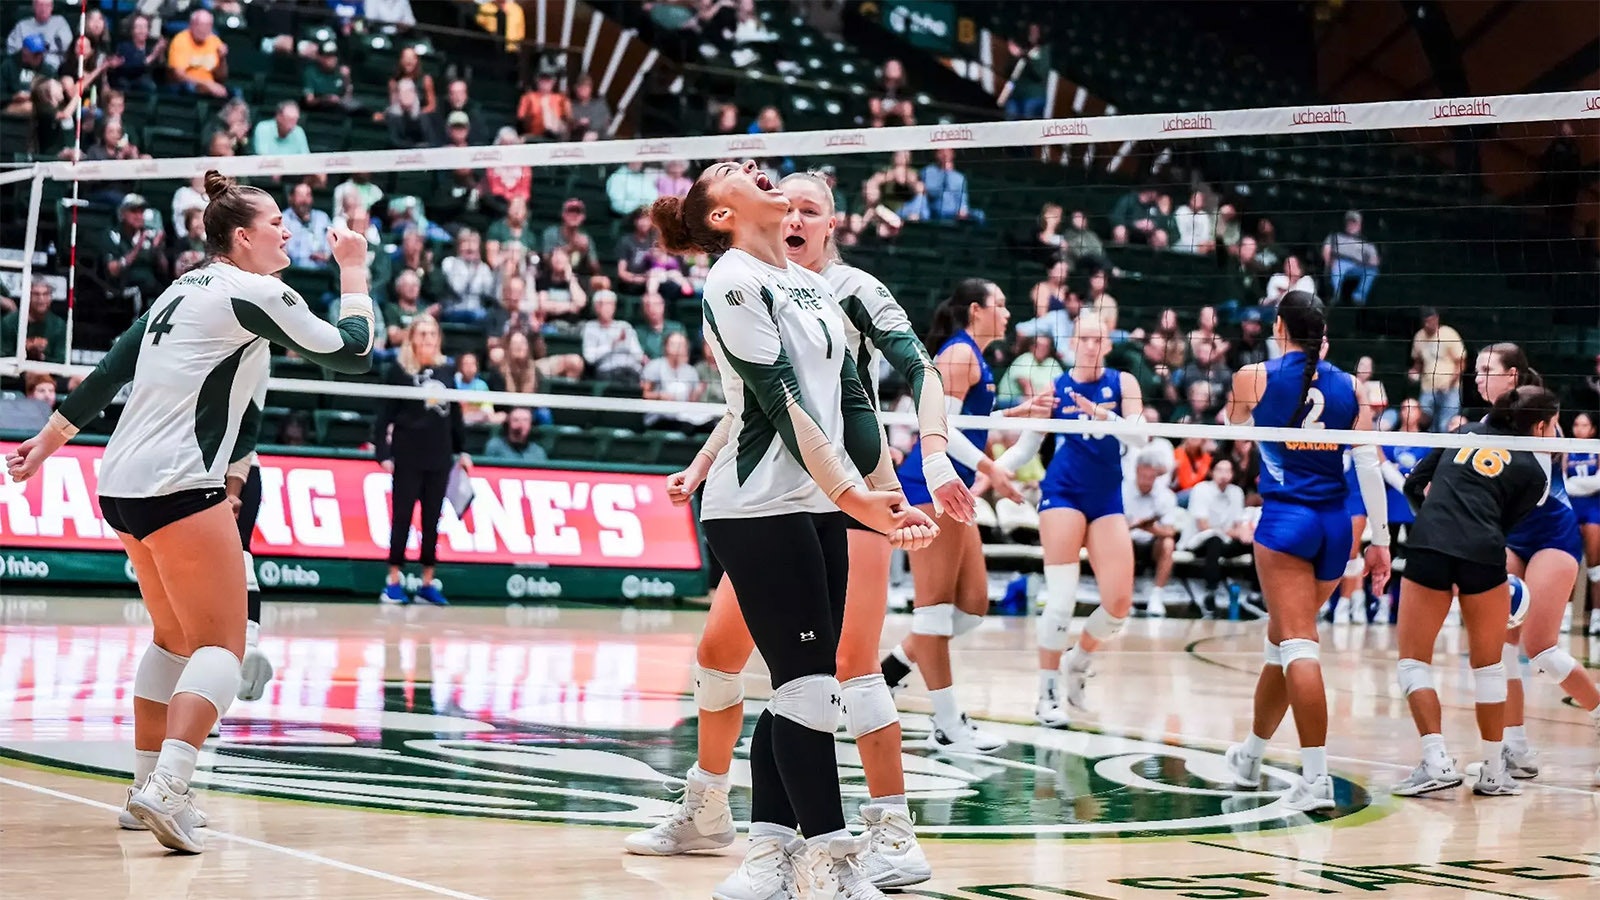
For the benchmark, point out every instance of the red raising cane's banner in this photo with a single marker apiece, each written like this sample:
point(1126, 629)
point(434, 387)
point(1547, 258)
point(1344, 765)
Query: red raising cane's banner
point(339, 508)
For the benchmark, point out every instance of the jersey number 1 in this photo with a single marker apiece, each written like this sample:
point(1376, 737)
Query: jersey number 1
point(1488, 461)
point(162, 323)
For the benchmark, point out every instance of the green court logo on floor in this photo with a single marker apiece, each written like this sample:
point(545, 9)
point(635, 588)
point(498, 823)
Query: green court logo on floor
point(560, 762)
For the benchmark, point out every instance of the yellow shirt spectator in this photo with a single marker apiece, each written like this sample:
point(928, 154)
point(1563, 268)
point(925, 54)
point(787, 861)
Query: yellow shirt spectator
point(516, 25)
point(195, 61)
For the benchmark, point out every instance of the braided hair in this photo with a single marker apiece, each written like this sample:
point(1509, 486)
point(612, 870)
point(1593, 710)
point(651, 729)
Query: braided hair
point(1305, 320)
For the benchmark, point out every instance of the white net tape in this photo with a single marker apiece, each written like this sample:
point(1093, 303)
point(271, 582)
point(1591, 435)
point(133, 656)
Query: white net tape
point(1398, 115)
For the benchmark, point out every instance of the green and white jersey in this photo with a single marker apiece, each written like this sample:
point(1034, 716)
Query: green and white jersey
point(779, 338)
point(197, 358)
point(875, 320)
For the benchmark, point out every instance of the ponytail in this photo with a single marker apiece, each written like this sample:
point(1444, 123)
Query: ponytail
point(955, 312)
point(1306, 321)
point(685, 224)
point(1519, 410)
point(1511, 357)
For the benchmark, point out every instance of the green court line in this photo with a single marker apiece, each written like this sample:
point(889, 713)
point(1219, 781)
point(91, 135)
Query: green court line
point(1357, 869)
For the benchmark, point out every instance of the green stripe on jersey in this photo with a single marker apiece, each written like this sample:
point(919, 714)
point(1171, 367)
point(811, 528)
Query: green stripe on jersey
point(769, 386)
point(211, 419)
point(350, 359)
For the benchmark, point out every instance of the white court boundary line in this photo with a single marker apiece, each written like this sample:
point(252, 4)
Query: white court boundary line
point(303, 855)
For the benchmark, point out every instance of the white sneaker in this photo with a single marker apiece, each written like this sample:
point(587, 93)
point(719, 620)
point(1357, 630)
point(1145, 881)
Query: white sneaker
point(1155, 606)
point(1566, 620)
point(1358, 607)
point(702, 820)
point(965, 738)
point(1246, 769)
point(1385, 610)
point(893, 857)
point(255, 670)
point(1310, 796)
point(126, 821)
point(160, 806)
point(1050, 713)
point(1495, 785)
point(1429, 777)
point(1594, 622)
point(814, 877)
point(835, 871)
point(1341, 612)
point(1073, 684)
point(765, 873)
point(1520, 761)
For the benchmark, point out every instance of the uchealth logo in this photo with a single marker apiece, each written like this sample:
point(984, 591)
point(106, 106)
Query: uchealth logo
point(1200, 122)
point(741, 145)
point(1463, 109)
point(846, 139)
point(548, 761)
point(1331, 115)
point(1591, 104)
point(1065, 129)
point(950, 135)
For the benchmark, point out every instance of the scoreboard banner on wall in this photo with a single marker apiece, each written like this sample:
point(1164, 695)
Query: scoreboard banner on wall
point(324, 525)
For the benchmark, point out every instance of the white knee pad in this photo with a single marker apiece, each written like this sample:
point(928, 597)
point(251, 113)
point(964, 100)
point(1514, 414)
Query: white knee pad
point(714, 690)
point(1594, 574)
point(1555, 664)
point(212, 673)
point(158, 674)
point(1060, 600)
point(868, 705)
point(1415, 675)
point(938, 620)
point(1489, 683)
point(1103, 626)
point(1295, 649)
point(811, 700)
point(250, 583)
point(964, 623)
point(1271, 653)
point(1354, 568)
point(1511, 658)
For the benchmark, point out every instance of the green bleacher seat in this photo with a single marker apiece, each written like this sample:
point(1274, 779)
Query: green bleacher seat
point(574, 443)
point(342, 427)
point(631, 448)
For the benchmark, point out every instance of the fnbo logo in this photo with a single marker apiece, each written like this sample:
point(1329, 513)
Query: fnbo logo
point(1063, 784)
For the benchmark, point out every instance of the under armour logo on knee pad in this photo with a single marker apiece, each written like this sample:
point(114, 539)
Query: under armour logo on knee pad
point(807, 636)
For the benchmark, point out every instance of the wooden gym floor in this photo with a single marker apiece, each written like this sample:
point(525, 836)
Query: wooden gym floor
point(504, 753)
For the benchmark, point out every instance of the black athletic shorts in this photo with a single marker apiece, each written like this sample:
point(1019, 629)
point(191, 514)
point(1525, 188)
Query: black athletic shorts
point(144, 516)
point(851, 524)
point(1439, 572)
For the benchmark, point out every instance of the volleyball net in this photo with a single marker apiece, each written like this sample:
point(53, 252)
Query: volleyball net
point(1179, 231)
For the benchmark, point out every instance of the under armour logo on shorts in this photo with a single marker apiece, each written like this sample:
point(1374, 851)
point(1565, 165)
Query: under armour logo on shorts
point(807, 636)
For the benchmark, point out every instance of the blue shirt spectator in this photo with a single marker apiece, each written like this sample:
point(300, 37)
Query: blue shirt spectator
point(281, 135)
point(944, 198)
point(308, 230)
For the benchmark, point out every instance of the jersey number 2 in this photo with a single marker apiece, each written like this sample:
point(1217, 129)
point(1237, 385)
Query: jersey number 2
point(1318, 403)
point(1488, 462)
point(162, 323)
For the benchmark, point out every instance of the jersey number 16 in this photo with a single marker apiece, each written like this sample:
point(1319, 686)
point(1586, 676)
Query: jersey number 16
point(1488, 461)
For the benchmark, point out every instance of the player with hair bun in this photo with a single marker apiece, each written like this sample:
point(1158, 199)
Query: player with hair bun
point(1303, 539)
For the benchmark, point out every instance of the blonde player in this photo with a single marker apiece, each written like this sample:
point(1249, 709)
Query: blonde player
point(195, 358)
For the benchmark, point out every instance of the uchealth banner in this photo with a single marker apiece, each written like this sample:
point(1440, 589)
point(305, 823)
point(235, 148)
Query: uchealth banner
point(314, 507)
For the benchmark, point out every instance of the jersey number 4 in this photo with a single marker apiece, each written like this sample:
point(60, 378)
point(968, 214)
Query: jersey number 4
point(1487, 461)
point(162, 323)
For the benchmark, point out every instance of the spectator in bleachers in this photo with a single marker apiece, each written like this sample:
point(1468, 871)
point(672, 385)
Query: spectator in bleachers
point(1207, 366)
point(895, 99)
point(944, 197)
point(516, 442)
point(40, 386)
point(1292, 278)
point(1246, 458)
point(308, 229)
point(135, 254)
point(770, 121)
point(1585, 393)
point(630, 188)
point(504, 18)
point(610, 346)
point(220, 143)
point(1145, 359)
point(1032, 372)
point(20, 73)
point(187, 197)
point(469, 377)
point(458, 107)
point(1137, 217)
point(46, 336)
point(1205, 331)
point(1222, 530)
point(53, 32)
point(568, 232)
point(1048, 237)
point(1059, 324)
point(509, 241)
point(95, 48)
point(408, 68)
point(1199, 400)
point(1348, 255)
point(544, 113)
point(1229, 232)
point(325, 82)
point(507, 183)
point(670, 377)
point(1197, 228)
point(672, 182)
point(591, 115)
point(560, 293)
point(405, 304)
point(657, 328)
point(1250, 347)
point(414, 256)
point(395, 13)
point(1103, 304)
point(1191, 465)
point(1240, 284)
point(1024, 94)
point(139, 57)
point(111, 144)
point(193, 226)
point(353, 215)
point(407, 120)
point(1438, 356)
point(458, 131)
point(633, 253)
point(281, 135)
point(470, 281)
point(725, 119)
point(1151, 510)
point(233, 119)
point(1371, 393)
point(1083, 247)
point(516, 312)
point(886, 193)
point(198, 58)
point(1268, 252)
point(1051, 293)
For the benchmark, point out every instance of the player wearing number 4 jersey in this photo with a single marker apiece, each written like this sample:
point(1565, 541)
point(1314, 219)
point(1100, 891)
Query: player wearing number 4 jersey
point(195, 361)
point(1303, 539)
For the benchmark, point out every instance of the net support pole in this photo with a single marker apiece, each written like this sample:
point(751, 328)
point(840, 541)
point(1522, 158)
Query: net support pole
point(30, 242)
point(77, 149)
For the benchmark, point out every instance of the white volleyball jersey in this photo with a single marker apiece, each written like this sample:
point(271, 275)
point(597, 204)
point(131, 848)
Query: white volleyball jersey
point(196, 359)
point(778, 336)
point(875, 321)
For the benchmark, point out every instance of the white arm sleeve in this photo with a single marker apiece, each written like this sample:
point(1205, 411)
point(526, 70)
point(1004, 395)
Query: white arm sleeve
point(1583, 485)
point(1369, 477)
point(958, 447)
point(1392, 476)
point(1022, 452)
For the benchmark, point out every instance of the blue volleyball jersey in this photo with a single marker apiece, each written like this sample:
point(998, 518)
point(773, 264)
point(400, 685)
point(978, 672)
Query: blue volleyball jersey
point(1582, 465)
point(978, 402)
point(1085, 463)
point(1405, 459)
point(1308, 472)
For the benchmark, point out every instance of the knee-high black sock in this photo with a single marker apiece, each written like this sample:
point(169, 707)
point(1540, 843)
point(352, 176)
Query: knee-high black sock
point(894, 671)
point(769, 802)
point(253, 599)
point(806, 759)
